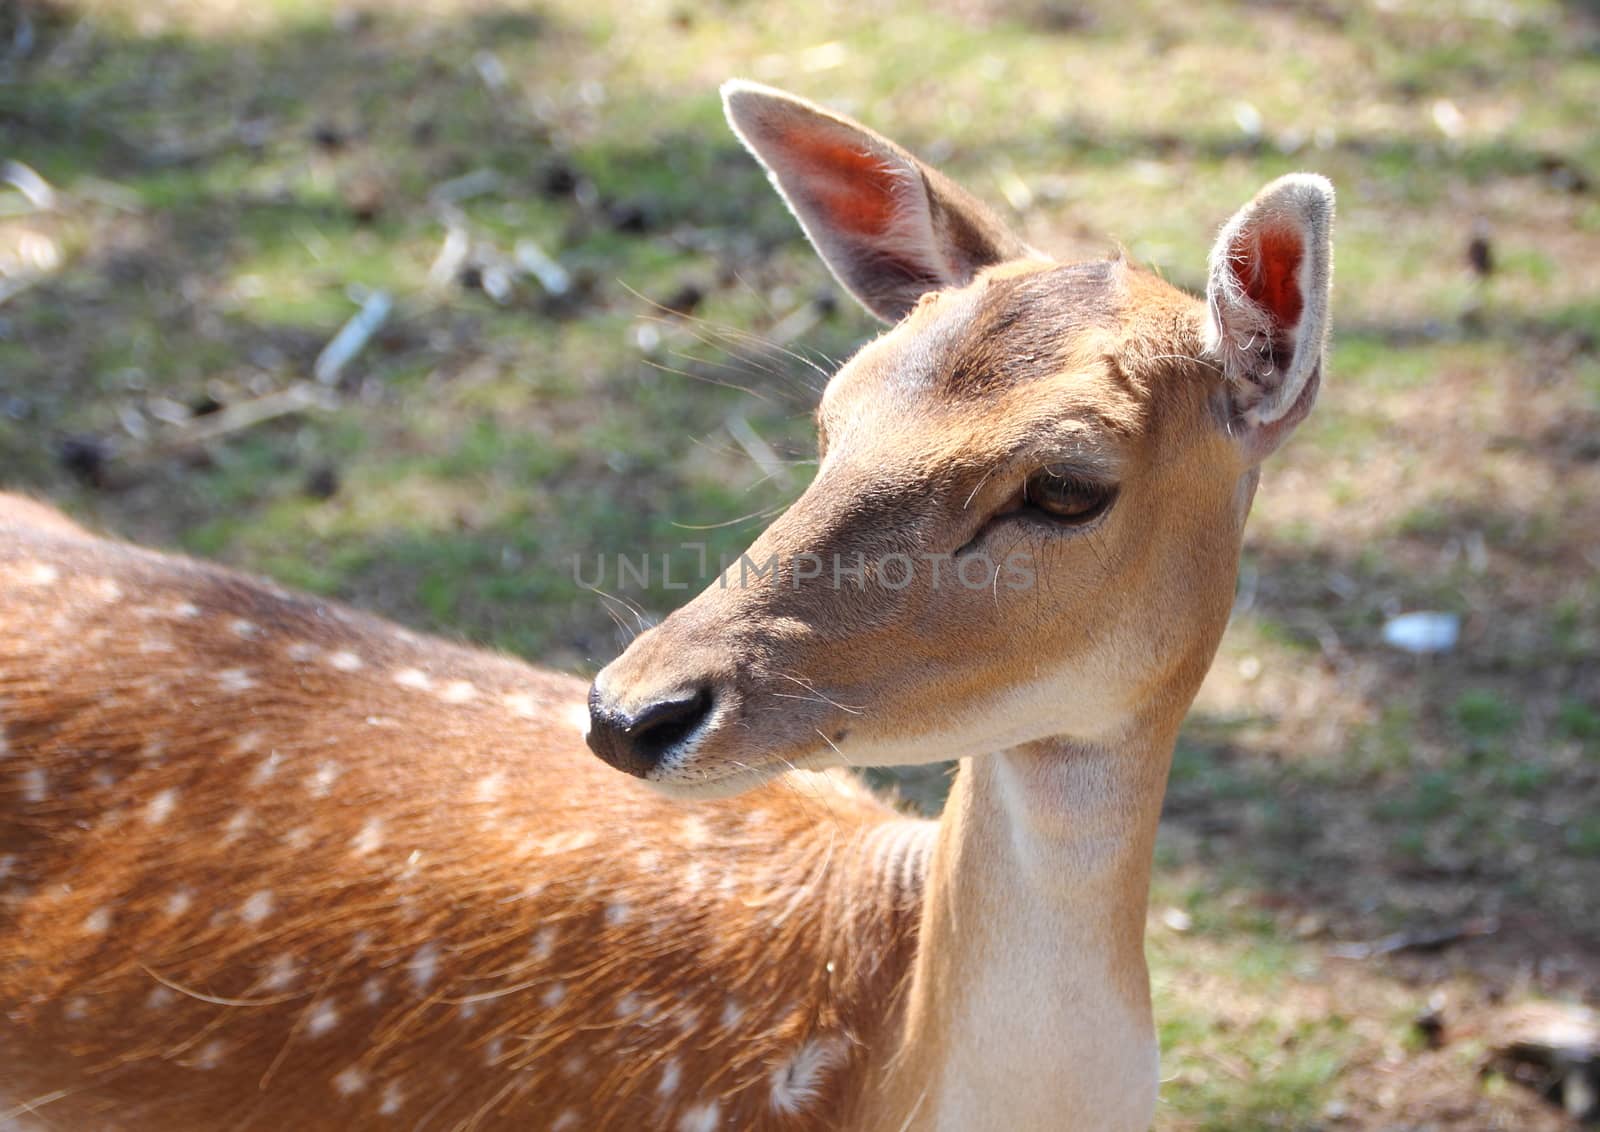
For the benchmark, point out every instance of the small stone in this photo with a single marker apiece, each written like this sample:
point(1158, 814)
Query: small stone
point(1422, 632)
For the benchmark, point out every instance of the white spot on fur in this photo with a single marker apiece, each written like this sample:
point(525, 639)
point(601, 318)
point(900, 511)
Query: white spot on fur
point(569, 842)
point(235, 680)
point(732, 1012)
point(301, 652)
point(489, 787)
point(98, 922)
point(413, 678)
point(76, 1010)
point(693, 832)
point(35, 785)
point(298, 838)
point(493, 1051)
point(281, 973)
point(266, 769)
point(321, 782)
point(458, 692)
point(797, 1083)
point(211, 1055)
point(391, 1100)
point(160, 998)
point(247, 742)
point(670, 1073)
point(344, 660)
point(160, 807)
point(8, 862)
point(573, 1065)
point(701, 1118)
point(555, 994)
point(424, 965)
point(258, 907)
point(154, 644)
point(520, 703)
point(350, 1081)
point(566, 1120)
point(628, 1005)
point(617, 913)
point(179, 902)
point(544, 944)
point(324, 1017)
point(187, 610)
point(237, 825)
point(249, 630)
point(578, 718)
point(372, 991)
point(38, 574)
point(369, 839)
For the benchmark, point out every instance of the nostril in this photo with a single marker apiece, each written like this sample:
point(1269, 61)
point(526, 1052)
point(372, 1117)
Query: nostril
point(637, 742)
point(663, 724)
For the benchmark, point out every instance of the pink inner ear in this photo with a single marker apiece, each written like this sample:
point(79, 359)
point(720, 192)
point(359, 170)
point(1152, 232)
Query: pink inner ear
point(853, 189)
point(1271, 277)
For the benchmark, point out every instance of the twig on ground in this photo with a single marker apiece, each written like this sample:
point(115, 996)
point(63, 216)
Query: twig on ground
point(242, 415)
point(1426, 939)
point(353, 337)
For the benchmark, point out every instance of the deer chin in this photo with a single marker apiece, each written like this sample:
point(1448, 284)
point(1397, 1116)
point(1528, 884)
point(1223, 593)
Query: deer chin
point(1069, 702)
point(687, 781)
point(727, 759)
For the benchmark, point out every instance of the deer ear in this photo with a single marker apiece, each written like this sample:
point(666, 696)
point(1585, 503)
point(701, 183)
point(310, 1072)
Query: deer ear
point(890, 228)
point(1267, 294)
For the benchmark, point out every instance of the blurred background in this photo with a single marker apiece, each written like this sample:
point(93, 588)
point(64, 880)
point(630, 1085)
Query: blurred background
point(411, 304)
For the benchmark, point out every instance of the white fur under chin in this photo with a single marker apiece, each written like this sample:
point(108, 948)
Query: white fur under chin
point(1067, 704)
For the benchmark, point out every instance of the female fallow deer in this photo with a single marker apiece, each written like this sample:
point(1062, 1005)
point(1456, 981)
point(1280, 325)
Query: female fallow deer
point(267, 863)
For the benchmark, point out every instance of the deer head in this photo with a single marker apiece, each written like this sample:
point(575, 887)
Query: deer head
point(1031, 494)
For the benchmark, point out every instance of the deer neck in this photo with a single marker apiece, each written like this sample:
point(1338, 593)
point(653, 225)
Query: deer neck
point(1029, 1006)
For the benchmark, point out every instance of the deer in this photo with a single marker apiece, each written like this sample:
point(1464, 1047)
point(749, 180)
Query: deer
point(267, 862)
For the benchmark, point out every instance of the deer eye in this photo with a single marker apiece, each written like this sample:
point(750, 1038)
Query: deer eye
point(1063, 496)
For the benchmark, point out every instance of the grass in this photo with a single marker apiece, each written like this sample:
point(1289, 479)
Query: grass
point(233, 178)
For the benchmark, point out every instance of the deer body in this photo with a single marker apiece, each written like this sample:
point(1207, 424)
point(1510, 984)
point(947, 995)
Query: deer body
point(392, 886)
point(269, 863)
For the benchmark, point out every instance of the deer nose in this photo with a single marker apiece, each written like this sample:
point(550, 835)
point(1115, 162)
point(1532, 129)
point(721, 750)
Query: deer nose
point(636, 742)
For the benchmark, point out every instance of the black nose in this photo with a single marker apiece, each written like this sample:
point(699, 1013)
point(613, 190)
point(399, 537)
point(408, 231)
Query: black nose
point(637, 743)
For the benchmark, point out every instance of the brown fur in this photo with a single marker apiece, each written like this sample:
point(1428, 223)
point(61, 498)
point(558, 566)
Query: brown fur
point(148, 799)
